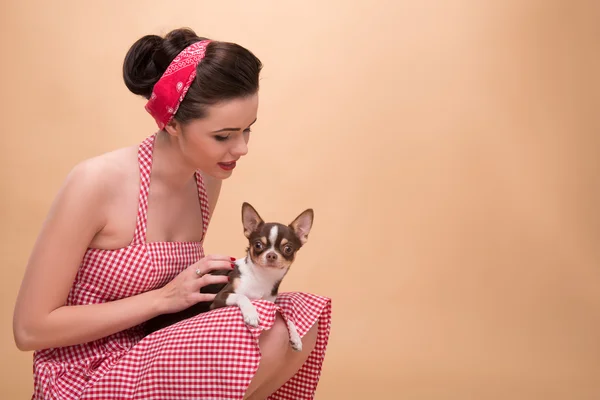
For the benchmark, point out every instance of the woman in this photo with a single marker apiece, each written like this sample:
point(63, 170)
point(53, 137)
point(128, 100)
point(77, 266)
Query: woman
point(123, 243)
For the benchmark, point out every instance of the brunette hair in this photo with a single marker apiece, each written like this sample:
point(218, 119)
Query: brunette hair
point(228, 70)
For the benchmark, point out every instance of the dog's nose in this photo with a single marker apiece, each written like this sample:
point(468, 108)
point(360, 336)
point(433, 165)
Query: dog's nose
point(271, 256)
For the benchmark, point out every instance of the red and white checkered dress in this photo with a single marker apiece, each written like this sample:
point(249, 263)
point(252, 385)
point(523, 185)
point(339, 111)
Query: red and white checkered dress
point(211, 356)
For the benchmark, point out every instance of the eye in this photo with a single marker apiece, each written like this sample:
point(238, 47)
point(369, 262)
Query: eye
point(258, 245)
point(287, 250)
point(221, 138)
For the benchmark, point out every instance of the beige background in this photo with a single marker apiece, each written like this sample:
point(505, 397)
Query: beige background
point(449, 149)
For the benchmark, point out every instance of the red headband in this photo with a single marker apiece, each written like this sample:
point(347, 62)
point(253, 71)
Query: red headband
point(173, 85)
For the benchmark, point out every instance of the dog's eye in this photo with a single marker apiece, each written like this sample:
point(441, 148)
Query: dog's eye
point(258, 245)
point(288, 250)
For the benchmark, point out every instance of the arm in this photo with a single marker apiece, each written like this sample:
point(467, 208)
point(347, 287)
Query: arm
point(40, 318)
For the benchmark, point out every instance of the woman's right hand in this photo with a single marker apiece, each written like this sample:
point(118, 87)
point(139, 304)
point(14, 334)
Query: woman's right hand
point(184, 290)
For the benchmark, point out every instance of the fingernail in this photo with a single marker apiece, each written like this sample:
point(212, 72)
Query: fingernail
point(232, 258)
point(232, 265)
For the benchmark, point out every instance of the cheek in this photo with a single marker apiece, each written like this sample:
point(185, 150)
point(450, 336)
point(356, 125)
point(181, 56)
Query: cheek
point(202, 148)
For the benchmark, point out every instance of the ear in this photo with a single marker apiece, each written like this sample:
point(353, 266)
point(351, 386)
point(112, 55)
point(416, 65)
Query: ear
point(302, 225)
point(250, 219)
point(173, 128)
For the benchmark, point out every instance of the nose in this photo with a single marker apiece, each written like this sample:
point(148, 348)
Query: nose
point(240, 148)
point(271, 256)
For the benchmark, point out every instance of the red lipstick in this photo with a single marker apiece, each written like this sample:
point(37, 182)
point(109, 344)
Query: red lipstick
point(227, 166)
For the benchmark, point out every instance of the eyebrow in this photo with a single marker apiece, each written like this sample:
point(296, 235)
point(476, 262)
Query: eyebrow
point(234, 129)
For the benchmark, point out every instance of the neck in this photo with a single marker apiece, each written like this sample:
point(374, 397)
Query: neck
point(168, 165)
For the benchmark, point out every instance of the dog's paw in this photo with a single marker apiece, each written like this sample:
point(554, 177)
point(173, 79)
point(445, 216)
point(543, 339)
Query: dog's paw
point(295, 339)
point(251, 318)
point(296, 343)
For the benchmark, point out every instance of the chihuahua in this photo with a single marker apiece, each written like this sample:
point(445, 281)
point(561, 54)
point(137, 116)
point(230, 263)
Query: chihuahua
point(269, 256)
point(272, 248)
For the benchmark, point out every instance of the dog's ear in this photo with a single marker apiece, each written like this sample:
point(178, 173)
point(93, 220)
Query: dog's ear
point(250, 219)
point(302, 224)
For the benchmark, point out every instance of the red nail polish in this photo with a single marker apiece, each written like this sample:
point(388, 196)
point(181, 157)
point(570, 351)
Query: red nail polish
point(232, 265)
point(232, 258)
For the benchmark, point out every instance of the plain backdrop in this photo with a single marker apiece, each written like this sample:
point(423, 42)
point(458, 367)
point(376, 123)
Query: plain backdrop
point(449, 149)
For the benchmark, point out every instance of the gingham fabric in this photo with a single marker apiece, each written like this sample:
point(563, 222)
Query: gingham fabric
point(211, 356)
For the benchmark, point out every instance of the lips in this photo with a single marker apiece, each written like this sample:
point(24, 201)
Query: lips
point(227, 166)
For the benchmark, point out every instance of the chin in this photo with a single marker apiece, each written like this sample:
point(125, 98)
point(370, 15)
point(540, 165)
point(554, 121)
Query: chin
point(217, 173)
point(269, 266)
point(224, 174)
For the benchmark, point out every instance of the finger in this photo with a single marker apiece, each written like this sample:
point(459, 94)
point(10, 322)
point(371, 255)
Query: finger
point(215, 265)
point(210, 280)
point(219, 257)
point(200, 269)
point(198, 297)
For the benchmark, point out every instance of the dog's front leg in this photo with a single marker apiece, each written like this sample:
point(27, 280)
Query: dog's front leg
point(295, 339)
point(248, 310)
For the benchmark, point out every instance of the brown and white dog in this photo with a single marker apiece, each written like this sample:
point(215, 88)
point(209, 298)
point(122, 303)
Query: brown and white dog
point(269, 256)
point(272, 248)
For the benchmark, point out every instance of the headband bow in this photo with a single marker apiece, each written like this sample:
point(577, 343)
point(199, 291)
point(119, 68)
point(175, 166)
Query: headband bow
point(173, 85)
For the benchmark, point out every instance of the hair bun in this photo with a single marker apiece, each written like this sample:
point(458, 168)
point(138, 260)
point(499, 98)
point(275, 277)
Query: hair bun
point(179, 39)
point(140, 70)
point(150, 56)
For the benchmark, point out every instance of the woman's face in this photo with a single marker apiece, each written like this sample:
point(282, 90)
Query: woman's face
point(214, 144)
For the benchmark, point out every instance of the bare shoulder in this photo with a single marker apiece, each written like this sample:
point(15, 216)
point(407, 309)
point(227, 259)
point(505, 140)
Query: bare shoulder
point(96, 181)
point(108, 168)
